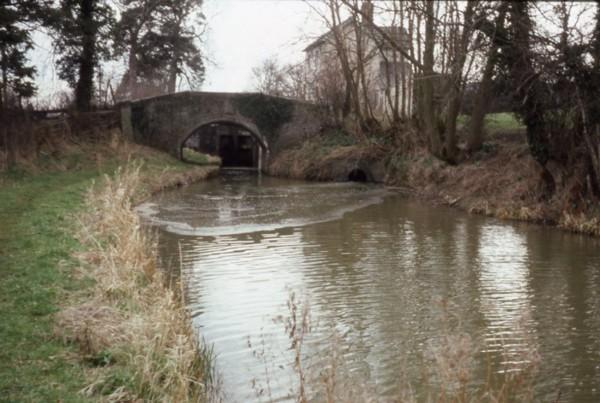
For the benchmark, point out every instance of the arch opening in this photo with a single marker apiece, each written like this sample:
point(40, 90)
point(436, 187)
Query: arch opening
point(235, 144)
point(357, 175)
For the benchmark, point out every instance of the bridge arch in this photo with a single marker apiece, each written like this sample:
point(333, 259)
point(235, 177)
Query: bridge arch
point(212, 136)
point(166, 122)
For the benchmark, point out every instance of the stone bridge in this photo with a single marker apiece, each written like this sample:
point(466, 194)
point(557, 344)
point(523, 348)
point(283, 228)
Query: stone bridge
point(269, 124)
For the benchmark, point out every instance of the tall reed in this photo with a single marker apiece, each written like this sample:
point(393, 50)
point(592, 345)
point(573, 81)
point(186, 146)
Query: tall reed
point(132, 323)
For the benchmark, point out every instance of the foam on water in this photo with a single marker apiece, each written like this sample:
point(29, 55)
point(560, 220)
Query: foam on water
point(228, 210)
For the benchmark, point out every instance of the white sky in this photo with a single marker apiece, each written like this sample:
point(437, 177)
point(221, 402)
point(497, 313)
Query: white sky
point(240, 35)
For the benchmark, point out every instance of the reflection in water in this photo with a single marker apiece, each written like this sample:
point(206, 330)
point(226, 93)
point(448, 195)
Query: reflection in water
point(375, 270)
point(505, 295)
point(240, 296)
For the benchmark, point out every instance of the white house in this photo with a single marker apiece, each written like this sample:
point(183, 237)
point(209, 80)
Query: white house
point(387, 75)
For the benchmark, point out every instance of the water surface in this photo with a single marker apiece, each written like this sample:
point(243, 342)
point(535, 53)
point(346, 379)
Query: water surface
point(392, 285)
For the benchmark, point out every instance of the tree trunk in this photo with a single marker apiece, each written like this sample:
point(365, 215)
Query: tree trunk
point(410, 84)
point(132, 67)
point(524, 78)
point(419, 38)
point(4, 89)
point(593, 141)
point(456, 86)
point(427, 100)
point(352, 92)
point(85, 84)
point(529, 94)
point(8, 132)
point(360, 71)
point(172, 82)
point(476, 130)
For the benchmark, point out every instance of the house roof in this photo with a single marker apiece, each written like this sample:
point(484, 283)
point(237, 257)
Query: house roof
point(394, 32)
point(322, 39)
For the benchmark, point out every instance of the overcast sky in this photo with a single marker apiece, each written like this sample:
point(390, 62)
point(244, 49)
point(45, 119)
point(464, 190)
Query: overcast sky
point(240, 35)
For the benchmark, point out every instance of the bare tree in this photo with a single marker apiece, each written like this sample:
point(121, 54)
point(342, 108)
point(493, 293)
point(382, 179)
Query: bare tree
point(444, 45)
point(327, 86)
point(283, 81)
point(268, 78)
point(373, 69)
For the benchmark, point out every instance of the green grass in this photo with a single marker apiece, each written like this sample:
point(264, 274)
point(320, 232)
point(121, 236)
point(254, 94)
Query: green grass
point(36, 275)
point(190, 155)
point(504, 121)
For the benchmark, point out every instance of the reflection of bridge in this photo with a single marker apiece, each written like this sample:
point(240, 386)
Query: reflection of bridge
point(166, 122)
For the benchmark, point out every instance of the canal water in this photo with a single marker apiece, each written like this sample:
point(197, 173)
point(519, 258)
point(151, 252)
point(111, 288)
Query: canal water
point(391, 297)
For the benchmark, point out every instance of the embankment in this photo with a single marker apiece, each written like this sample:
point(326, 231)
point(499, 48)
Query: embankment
point(502, 180)
point(84, 313)
point(319, 160)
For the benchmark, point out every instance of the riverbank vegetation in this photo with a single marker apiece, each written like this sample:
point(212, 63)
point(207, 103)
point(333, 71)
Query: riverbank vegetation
point(501, 180)
point(131, 322)
point(57, 339)
point(330, 156)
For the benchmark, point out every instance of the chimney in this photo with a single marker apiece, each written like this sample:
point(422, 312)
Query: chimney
point(366, 10)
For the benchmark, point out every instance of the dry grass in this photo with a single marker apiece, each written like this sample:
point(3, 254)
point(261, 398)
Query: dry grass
point(580, 223)
point(314, 161)
point(132, 323)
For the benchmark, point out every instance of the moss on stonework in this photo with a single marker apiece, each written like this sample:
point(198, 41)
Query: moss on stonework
point(269, 113)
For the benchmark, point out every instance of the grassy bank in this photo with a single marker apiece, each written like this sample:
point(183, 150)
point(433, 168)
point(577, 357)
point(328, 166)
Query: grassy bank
point(40, 262)
point(193, 156)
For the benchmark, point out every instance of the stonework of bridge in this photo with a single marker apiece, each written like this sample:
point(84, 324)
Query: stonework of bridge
point(166, 122)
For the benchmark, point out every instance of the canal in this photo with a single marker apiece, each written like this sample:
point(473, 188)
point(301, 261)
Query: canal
point(400, 298)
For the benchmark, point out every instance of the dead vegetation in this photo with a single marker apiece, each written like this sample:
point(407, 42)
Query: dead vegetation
point(314, 162)
point(130, 325)
point(504, 182)
point(501, 180)
point(580, 223)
